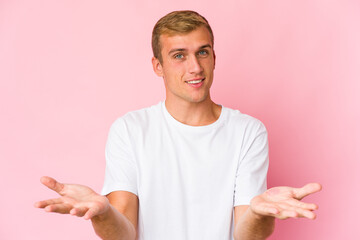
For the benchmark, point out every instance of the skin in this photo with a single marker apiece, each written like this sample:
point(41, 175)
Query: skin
point(113, 217)
point(185, 57)
point(257, 220)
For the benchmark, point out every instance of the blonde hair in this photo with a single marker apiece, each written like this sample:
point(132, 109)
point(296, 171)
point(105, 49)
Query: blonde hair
point(177, 22)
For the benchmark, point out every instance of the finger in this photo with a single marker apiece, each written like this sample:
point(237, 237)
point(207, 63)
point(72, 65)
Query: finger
point(43, 204)
point(92, 212)
point(303, 205)
point(79, 211)
point(287, 214)
point(307, 190)
point(300, 212)
point(305, 213)
point(286, 211)
point(282, 211)
point(52, 184)
point(285, 207)
point(289, 211)
point(59, 208)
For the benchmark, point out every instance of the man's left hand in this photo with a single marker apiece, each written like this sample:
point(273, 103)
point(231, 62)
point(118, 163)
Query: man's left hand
point(284, 202)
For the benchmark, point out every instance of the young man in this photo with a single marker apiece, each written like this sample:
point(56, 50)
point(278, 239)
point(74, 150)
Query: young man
point(186, 168)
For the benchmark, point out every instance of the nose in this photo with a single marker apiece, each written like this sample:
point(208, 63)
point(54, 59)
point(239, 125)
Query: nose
point(194, 65)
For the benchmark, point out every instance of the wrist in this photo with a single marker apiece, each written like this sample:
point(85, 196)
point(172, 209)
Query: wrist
point(104, 214)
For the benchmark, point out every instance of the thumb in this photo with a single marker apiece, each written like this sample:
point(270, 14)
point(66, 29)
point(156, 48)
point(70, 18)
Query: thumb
point(307, 190)
point(52, 184)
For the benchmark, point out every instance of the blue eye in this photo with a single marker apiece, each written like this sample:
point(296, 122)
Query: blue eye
point(203, 53)
point(179, 56)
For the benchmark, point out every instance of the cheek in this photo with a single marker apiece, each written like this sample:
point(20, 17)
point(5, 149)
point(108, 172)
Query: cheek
point(175, 71)
point(208, 64)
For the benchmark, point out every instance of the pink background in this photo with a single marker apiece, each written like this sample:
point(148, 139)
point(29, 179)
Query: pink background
point(68, 69)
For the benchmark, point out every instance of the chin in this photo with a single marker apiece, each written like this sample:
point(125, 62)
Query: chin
point(198, 99)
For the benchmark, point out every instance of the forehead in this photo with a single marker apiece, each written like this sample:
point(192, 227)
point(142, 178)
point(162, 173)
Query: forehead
point(192, 40)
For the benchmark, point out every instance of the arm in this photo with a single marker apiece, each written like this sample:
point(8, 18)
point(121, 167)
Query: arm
point(113, 225)
point(249, 225)
point(107, 226)
point(108, 221)
point(256, 222)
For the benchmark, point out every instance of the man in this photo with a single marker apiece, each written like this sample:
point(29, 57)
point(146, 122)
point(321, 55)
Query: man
point(186, 168)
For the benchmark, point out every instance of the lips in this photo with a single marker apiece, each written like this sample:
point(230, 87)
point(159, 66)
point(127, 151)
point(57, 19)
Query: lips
point(196, 83)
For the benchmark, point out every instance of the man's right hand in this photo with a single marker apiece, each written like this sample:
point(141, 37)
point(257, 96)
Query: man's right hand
point(77, 200)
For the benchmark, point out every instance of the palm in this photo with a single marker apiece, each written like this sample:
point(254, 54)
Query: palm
point(284, 202)
point(75, 199)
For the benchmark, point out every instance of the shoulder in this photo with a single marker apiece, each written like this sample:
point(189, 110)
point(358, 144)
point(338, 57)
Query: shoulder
point(239, 120)
point(138, 118)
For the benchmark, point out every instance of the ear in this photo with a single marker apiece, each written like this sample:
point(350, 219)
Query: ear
point(157, 67)
point(214, 58)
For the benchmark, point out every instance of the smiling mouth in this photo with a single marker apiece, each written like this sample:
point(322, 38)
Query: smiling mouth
point(195, 81)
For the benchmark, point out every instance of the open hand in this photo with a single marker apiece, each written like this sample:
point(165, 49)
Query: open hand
point(284, 202)
point(77, 200)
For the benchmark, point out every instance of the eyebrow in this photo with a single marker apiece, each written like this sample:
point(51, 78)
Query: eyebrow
point(183, 49)
point(177, 50)
point(205, 46)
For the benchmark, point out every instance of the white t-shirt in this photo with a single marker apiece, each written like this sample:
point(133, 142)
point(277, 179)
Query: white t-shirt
point(187, 178)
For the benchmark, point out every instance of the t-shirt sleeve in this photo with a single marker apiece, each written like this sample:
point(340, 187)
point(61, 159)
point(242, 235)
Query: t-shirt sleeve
point(121, 170)
point(253, 165)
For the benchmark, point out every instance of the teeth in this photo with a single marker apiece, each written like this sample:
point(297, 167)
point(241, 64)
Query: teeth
point(195, 81)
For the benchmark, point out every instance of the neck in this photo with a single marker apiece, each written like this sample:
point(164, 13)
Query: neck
point(194, 114)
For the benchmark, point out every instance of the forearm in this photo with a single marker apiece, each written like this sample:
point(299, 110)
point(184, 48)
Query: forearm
point(252, 226)
point(112, 225)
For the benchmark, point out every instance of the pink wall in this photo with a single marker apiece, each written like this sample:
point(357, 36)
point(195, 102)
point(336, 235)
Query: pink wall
point(68, 69)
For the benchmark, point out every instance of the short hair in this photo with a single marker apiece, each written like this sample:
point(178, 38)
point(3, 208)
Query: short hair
point(177, 22)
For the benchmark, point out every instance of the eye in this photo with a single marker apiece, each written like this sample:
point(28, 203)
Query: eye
point(179, 56)
point(203, 53)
